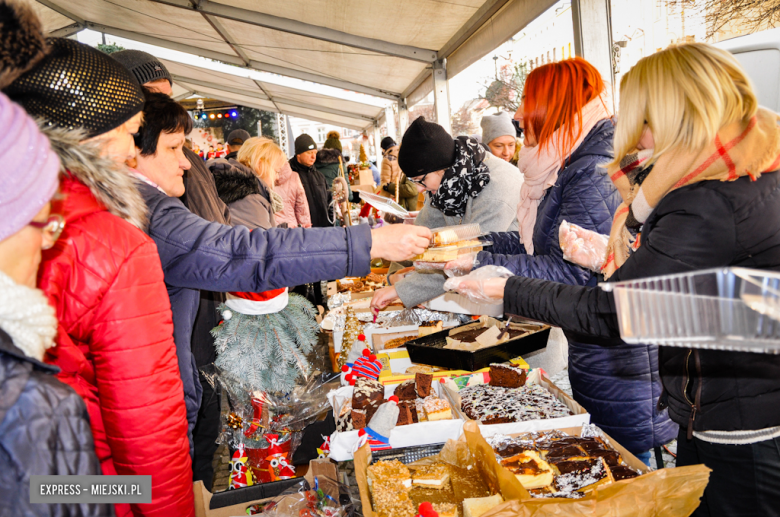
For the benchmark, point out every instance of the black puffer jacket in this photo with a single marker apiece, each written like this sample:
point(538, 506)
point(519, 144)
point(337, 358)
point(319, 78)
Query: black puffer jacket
point(44, 430)
point(706, 225)
point(316, 188)
point(246, 196)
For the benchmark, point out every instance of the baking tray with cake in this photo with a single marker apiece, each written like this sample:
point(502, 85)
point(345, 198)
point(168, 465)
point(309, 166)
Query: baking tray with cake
point(474, 346)
point(515, 401)
point(425, 416)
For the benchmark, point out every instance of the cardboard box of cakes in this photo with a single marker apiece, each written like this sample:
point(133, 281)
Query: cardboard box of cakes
point(467, 480)
point(425, 416)
point(515, 402)
point(457, 481)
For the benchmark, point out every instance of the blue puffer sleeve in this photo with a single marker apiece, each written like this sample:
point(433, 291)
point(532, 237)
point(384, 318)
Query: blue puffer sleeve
point(587, 199)
point(198, 254)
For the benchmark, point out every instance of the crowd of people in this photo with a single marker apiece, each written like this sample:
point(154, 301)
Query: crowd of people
point(120, 247)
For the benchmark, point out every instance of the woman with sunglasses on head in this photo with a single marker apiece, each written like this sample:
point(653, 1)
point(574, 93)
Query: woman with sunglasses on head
point(114, 344)
point(465, 184)
point(696, 163)
point(44, 427)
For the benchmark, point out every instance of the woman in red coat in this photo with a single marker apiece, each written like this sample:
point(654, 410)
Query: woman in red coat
point(115, 337)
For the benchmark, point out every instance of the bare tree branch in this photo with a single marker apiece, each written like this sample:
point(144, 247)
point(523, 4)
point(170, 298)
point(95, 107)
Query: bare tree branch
point(747, 16)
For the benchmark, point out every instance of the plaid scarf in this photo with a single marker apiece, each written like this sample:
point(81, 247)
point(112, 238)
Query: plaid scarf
point(739, 149)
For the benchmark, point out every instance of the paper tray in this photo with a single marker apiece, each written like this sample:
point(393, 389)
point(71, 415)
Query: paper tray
point(430, 350)
point(579, 418)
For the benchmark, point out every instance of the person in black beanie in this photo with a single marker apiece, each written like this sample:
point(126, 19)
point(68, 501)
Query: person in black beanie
point(314, 183)
point(464, 184)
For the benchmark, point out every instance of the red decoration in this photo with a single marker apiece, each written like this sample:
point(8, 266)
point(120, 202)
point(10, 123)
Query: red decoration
point(361, 337)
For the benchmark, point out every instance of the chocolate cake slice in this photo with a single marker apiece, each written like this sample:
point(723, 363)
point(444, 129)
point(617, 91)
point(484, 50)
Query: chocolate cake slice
point(507, 376)
point(406, 390)
point(404, 414)
point(620, 472)
point(367, 391)
point(359, 419)
point(423, 383)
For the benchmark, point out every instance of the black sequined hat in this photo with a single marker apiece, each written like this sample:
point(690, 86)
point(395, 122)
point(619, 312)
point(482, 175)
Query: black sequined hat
point(76, 86)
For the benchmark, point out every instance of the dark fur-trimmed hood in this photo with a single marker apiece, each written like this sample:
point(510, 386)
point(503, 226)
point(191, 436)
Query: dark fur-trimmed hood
point(109, 182)
point(328, 156)
point(236, 181)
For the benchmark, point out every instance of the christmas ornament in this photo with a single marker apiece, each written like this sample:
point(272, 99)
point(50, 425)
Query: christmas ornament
point(240, 475)
point(377, 434)
point(353, 329)
point(275, 465)
point(266, 353)
point(323, 450)
point(366, 365)
point(234, 421)
point(257, 417)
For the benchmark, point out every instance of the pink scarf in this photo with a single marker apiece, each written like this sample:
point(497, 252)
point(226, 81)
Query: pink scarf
point(540, 169)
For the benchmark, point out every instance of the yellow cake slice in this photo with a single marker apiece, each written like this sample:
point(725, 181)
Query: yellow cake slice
point(529, 469)
point(477, 506)
point(432, 476)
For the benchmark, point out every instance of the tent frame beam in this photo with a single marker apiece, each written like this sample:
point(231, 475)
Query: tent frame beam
point(253, 65)
point(302, 29)
point(67, 31)
point(480, 18)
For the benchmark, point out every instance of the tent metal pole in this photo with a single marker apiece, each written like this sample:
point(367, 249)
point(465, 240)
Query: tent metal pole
point(592, 21)
point(441, 95)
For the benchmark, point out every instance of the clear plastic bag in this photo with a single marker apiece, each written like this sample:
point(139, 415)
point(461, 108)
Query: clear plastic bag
point(473, 284)
point(327, 498)
point(583, 247)
point(254, 415)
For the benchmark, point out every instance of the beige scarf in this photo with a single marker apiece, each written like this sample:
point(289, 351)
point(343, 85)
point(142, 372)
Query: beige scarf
point(739, 149)
point(540, 168)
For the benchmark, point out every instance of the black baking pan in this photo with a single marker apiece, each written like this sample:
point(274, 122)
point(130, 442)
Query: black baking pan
point(429, 350)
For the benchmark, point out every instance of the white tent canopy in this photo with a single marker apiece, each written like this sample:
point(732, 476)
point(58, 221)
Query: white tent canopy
point(385, 48)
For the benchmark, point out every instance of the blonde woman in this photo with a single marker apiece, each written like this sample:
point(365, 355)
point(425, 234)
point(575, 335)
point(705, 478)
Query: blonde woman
point(244, 184)
point(706, 194)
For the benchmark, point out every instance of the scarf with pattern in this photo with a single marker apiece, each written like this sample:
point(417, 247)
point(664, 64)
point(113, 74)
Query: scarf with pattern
point(464, 179)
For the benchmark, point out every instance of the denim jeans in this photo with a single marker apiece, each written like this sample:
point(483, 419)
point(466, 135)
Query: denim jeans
point(745, 479)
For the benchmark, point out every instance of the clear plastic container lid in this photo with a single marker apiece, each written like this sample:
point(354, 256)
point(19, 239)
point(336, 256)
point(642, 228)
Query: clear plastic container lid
point(384, 204)
point(452, 234)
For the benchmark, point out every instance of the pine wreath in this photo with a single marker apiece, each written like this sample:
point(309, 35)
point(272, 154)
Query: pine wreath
point(267, 352)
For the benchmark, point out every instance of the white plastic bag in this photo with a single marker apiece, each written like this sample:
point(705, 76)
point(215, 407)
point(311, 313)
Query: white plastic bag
point(583, 247)
point(473, 285)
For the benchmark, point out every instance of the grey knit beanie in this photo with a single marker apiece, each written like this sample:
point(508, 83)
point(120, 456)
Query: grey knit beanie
point(495, 126)
point(144, 66)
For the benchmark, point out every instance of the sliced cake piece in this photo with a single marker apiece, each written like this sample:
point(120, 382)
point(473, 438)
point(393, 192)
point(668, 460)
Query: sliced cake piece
point(404, 414)
point(406, 390)
point(445, 509)
point(432, 476)
point(420, 409)
point(390, 470)
point(391, 499)
point(359, 420)
point(423, 382)
point(507, 376)
point(430, 327)
point(477, 506)
point(366, 391)
point(437, 409)
point(529, 469)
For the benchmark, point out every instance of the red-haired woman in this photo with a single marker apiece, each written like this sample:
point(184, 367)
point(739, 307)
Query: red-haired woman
point(568, 137)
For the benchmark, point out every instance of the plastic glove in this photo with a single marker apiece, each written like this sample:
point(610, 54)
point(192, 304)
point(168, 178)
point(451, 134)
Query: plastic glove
point(485, 285)
point(583, 247)
point(461, 265)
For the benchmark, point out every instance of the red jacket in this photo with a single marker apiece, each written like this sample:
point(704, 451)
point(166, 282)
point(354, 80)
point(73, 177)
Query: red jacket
point(115, 347)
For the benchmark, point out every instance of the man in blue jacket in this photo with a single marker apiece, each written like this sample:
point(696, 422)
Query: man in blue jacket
point(197, 254)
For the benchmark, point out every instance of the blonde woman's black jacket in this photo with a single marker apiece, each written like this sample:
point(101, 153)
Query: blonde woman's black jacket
point(706, 225)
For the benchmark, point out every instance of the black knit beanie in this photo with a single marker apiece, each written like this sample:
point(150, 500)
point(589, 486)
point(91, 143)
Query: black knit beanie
point(426, 147)
point(144, 66)
point(304, 143)
point(78, 87)
point(386, 143)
